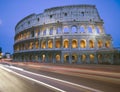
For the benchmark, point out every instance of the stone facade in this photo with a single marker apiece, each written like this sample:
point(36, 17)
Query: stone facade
point(66, 34)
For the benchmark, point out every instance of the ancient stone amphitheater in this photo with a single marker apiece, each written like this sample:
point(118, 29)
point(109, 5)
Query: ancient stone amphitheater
point(65, 34)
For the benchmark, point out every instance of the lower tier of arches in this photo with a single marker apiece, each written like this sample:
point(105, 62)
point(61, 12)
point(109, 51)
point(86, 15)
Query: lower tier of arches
point(76, 57)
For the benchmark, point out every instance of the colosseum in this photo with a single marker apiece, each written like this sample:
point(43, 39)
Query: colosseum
point(66, 34)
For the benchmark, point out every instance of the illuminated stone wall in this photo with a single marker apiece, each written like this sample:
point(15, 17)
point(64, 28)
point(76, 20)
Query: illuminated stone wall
point(66, 34)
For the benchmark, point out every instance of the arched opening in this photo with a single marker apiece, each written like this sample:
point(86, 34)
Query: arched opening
point(89, 29)
point(91, 44)
point(50, 58)
point(97, 30)
point(66, 58)
point(66, 30)
point(50, 44)
point(31, 45)
point(74, 58)
point(58, 31)
point(44, 32)
point(83, 43)
point(36, 57)
point(36, 45)
point(99, 58)
point(66, 43)
point(82, 29)
point(91, 58)
point(74, 29)
point(83, 58)
point(43, 44)
point(74, 43)
point(43, 58)
point(57, 58)
point(51, 31)
point(57, 44)
point(107, 44)
point(100, 44)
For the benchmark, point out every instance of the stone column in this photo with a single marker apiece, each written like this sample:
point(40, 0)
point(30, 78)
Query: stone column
point(88, 59)
point(70, 59)
point(79, 59)
point(53, 42)
point(78, 43)
point(46, 43)
point(62, 58)
point(87, 43)
point(70, 30)
point(70, 43)
point(95, 59)
point(112, 62)
point(78, 29)
point(53, 58)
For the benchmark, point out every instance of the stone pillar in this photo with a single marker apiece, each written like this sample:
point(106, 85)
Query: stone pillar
point(78, 43)
point(61, 40)
point(70, 59)
point(46, 43)
point(54, 42)
point(39, 44)
point(79, 59)
point(78, 29)
point(70, 43)
point(86, 29)
point(112, 62)
point(87, 43)
point(87, 59)
point(53, 58)
point(62, 58)
point(95, 59)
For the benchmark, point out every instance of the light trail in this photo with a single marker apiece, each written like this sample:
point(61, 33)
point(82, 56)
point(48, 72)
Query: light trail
point(63, 81)
point(42, 83)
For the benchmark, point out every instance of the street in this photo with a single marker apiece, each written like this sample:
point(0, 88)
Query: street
point(58, 81)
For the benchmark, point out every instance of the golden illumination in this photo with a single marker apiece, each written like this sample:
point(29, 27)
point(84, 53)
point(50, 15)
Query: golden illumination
point(57, 44)
point(100, 44)
point(50, 44)
point(91, 44)
point(74, 44)
point(83, 57)
point(43, 57)
point(82, 43)
point(107, 44)
point(43, 45)
point(57, 57)
point(36, 45)
point(91, 57)
point(66, 43)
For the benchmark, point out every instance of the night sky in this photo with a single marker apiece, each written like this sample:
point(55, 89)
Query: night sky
point(12, 11)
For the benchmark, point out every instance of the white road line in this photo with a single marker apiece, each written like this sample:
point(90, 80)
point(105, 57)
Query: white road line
point(85, 87)
point(42, 83)
point(74, 84)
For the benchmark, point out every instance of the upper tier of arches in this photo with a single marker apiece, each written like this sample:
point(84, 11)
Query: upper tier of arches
point(64, 30)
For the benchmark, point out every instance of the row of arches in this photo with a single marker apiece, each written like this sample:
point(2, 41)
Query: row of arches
point(67, 58)
point(37, 32)
point(51, 43)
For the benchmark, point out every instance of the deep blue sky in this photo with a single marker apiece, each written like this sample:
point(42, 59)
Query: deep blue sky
point(12, 11)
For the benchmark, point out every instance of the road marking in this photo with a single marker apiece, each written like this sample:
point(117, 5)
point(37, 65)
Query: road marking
point(85, 87)
point(42, 83)
point(74, 84)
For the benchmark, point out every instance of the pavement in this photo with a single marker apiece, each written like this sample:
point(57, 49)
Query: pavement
point(100, 77)
point(109, 73)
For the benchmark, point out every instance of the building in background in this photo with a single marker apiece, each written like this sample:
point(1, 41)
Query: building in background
point(65, 34)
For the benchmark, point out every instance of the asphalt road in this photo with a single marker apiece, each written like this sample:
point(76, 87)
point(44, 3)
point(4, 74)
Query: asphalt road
point(10, 82)
point(59, 82)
